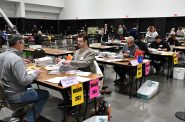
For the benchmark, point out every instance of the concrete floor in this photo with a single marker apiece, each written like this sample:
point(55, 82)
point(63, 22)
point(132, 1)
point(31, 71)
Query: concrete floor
point(160, 108)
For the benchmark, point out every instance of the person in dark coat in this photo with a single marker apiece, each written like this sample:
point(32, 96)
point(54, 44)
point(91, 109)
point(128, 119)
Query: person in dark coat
point(161, 45)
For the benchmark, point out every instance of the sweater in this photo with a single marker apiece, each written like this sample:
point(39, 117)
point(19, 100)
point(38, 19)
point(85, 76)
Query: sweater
point(13, 73)
point(131, 50)
point(84, 60)
point(162, 45)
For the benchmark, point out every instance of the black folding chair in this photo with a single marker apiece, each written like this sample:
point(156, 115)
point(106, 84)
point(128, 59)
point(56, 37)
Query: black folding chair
point(38, 53)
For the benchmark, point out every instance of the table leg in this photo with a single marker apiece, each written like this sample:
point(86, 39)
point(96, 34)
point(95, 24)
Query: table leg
point(65, 107)
point(95, 107)
point(168, 70)
point(86, 103)
point(131, 83)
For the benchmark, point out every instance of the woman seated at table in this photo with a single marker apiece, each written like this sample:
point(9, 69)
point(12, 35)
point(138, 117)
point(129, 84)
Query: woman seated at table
point(161, 45)
point(173, 41)
point(128, 51)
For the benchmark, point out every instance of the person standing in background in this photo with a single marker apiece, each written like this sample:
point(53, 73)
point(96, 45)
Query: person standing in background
point(100, 34)
point(172, 32)
point(112, 32)
point(151, 34)
point(34, 30)
point(125, 33)
point(134, 31)
point(68, 31)
point(106, 32)
point(38, 38)
point(120, 32)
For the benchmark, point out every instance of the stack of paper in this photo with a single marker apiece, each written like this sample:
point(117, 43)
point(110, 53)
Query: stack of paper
point(81, 73)
point(30, 71)
point(56, 79)
point(64, 68)
point(52, 67)
point(82, 79)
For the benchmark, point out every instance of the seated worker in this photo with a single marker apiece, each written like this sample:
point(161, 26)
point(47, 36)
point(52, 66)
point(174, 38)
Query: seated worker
point(17, 82)
point(161, 45)
point(128, 51)
point(83, 58)
point(173, 41)
point(142, 46)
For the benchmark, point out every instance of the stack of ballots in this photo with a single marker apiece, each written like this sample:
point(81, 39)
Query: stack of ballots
point(43, 61)
point(64, 68)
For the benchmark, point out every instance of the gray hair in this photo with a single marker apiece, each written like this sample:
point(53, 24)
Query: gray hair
point(130, 38)
point(14, 39)
point(39, 33)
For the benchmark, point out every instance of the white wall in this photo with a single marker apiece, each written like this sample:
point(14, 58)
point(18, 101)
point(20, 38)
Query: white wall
point(54, 3)
point(41, 15)
point(8, 7)
point(93, 9)
point(41, 12)
point(36, 9)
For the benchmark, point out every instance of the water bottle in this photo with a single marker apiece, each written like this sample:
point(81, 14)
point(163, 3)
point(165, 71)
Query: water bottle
point(109, 112)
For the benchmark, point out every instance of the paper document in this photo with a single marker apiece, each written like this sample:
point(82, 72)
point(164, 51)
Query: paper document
point(64, 68)
point(54, 72)
point(145, 60)
point(30, 71)
point(52, 67)
point(83, 73)
point(56, 79)
point(78, 72)
point(167, 53)
point(68, 81)
point(72, 72)
point(82, 79)
point(134, 62)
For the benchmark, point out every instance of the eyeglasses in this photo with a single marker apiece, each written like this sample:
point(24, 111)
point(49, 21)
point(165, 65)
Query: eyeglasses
point(80, 41)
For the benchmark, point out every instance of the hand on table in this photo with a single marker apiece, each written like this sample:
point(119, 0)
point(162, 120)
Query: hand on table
point(126, 54)
point(66, 62)
point(26, 61)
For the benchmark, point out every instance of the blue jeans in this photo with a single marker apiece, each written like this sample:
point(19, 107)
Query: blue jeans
point(39, 97)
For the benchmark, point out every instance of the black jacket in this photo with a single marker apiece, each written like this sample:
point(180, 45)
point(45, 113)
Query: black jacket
point(162, 45)
point(142, 46)
point(172, 41)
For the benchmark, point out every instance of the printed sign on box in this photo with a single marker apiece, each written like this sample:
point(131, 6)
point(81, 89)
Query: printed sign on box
point(147, 68)
point(94, 88)
point(139, 71)
point(77, 94)
point(175, 60)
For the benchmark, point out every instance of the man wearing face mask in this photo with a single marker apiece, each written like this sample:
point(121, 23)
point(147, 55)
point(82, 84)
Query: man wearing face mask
point(128, 51)
point(160, 45)
point(17, 82)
